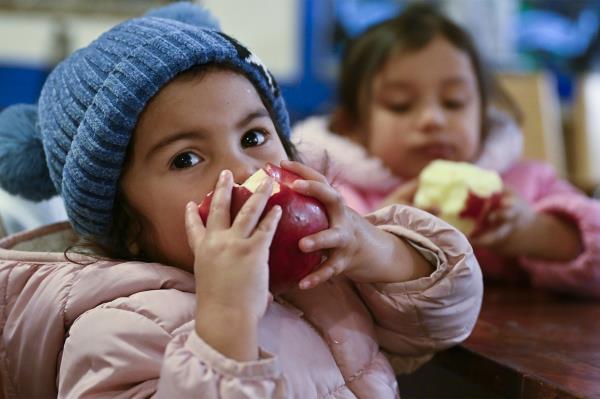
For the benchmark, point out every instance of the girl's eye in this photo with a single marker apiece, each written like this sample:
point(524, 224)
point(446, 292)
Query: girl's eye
point(399, 107)
point(452, 103)
point(185, 160)
point(253, 138)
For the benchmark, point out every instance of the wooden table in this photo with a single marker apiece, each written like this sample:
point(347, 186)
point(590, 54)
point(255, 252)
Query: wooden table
point(526, 344)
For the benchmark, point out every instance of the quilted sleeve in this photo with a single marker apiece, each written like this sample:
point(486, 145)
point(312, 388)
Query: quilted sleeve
point(119, 353)
point(416, 318)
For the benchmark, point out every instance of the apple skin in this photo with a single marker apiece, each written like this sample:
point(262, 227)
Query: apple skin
point(301, 216)
point(460, 193)
point(477, 208)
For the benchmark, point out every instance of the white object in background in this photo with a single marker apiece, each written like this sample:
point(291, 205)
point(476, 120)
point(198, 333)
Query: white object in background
point(27, 38)
point(492, 24)
point(270, 29)
point(585, 137)
point(19, 214)
point(536, 96)
point(81, 31)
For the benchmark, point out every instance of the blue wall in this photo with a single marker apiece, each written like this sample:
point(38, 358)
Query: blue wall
point(20, 83)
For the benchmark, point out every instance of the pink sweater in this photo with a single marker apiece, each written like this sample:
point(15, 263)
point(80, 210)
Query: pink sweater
point(126, 330)
point(365, 181)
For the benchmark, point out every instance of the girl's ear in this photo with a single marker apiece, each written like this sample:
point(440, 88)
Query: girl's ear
point(345, 125)
point(134, 248)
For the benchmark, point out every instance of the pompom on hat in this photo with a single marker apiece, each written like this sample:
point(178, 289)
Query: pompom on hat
point(90, 104)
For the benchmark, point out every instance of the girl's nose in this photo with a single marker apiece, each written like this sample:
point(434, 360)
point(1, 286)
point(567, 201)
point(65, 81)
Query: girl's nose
point(431, 119)
point(243, 170)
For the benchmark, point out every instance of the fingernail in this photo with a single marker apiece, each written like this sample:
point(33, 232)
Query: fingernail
point(223, 176)
point(304, 284)
point(308, 243)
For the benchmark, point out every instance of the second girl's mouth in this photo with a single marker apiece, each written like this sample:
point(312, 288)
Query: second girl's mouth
point(437, 151)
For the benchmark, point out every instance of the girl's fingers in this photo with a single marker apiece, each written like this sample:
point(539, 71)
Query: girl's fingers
point(495, 216)
point(306, 172)
point(333, 266)
point(406, 193)
point(502, 215)
point(328, 195)
point(511, 213)
point(193, 224)
point(494, 236)
point(411, 186)
point(219, 216)
point(266, 228)
point(247, 218)
point(508, 199)
point(326, 239)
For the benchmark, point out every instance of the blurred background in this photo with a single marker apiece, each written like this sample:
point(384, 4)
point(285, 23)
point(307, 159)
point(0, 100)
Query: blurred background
point(546, 53)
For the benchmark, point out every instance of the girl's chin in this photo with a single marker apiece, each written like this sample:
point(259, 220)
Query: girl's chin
point(408, 175)
point(416, 167)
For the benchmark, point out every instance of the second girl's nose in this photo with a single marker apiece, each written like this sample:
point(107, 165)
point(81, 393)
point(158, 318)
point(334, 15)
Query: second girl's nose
point(431, 118)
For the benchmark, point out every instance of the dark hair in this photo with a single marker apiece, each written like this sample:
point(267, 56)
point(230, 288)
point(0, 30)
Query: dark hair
point(410, 31)
point(127, 223)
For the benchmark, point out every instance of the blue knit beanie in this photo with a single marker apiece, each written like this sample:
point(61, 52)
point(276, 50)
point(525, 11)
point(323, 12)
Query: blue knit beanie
point(90, 104)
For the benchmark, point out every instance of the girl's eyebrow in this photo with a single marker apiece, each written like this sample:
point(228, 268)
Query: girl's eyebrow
point(396, 84)
point(456, 80)
point(171, 139)
point(406, 84)
point(258, 113)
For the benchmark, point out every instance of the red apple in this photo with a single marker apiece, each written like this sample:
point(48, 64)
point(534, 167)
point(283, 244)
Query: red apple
point(301, 216)
point(460, 193)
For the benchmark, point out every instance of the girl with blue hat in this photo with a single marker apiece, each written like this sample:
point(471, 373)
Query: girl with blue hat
point(130, 131)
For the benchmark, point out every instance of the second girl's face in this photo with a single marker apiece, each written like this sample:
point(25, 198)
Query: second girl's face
point(425, 105)
point(189, 132)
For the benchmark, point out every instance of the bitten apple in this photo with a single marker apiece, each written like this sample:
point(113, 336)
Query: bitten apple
point(301, 216)
point(460, 193)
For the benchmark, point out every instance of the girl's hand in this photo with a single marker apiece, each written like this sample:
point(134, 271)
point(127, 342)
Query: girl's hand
point(341, 238)
point(518, 230)
point(508, 224)
point(405, 194)
point(355, 247)
point(231, 259)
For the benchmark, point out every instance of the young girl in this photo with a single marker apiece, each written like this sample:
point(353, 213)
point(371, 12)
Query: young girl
point(412, 90)
point(148, 118)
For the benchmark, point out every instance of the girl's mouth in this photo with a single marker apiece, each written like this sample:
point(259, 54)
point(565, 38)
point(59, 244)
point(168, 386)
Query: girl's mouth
point(437, 151)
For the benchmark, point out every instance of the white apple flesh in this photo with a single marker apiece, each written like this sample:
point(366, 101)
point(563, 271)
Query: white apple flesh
point(460, 193)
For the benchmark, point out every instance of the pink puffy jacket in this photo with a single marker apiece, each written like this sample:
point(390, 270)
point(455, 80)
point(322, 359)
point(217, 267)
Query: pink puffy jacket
point(365, 182)
point(125, 330)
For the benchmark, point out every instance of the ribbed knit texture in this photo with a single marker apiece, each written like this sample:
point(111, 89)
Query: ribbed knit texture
point(91, 102)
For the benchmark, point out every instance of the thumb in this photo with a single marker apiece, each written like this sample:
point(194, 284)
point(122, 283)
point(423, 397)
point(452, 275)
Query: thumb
point(404, 194)
point(194, 227)
point(409, 189)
